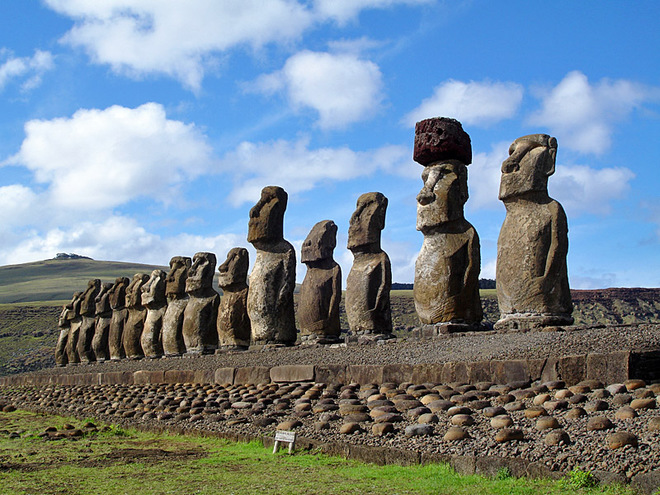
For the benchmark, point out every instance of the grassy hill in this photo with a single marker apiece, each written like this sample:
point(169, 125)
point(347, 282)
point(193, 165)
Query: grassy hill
point(58, 279)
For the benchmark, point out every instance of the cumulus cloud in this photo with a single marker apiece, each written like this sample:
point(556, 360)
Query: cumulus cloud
point(582, 189)
point(297, 167)
point(474, 103)
point(18, 205)
point(341, 88)
point(583, 115)
point(579, 188)
point(103, 158)
point(27, 69)
point(114, 238)
point(177, 39)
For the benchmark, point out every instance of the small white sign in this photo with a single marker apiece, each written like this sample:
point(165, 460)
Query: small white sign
point(285, 437)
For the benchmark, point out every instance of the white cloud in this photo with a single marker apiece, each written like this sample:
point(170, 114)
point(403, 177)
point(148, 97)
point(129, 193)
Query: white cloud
point(297, 168)
point(99, 159)
point(344, 10)
point(178, 39)
point(474, 103)
point(342, 88)
point(583, 115)
point(18, 205)
point(580, 188)
point(29, 69)
point(115, 238)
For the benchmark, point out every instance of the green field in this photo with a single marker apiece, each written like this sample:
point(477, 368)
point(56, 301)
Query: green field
point(117, 461)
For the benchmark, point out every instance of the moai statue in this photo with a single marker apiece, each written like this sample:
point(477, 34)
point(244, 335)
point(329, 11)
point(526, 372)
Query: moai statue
point(200, 335)
point(233, 321)
point(153, 298)
point(61, 358)
point(273, 277)
point(136, 315)
point(75, 320)
point(532, 277)
point(103, 321)
point(320, 293)
point(446, 289)
point(88, 313)
point(177, 299)
point(370, 279)
point(119, 317)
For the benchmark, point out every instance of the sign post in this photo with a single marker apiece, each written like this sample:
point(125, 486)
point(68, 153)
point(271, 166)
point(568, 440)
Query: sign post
point(285, 437)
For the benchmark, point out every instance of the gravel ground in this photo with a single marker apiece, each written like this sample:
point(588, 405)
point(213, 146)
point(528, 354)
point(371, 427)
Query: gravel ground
point(471, 346)
point(320, 411)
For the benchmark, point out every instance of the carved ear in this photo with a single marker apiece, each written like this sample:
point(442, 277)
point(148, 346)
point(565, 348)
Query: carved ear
point(552, 152)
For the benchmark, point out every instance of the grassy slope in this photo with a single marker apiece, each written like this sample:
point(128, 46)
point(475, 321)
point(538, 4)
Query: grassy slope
point(53, 280)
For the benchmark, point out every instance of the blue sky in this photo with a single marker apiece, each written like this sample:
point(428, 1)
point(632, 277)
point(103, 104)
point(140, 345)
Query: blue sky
point(136, 130)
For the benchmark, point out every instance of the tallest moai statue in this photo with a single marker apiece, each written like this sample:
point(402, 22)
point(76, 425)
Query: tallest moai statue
point(446, 289)
point(532, 276)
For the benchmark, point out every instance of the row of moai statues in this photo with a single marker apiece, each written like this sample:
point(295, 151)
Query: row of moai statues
point(180, 312)
point(531, 273)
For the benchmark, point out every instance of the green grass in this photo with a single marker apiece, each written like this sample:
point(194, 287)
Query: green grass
point(129, 462)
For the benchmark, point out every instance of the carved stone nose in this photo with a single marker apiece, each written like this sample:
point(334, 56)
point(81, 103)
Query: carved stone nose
point(425, 197)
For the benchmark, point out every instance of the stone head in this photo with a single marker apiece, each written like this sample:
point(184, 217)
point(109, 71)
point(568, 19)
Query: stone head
point(320, 243)
point(531, 161)
point(367, 221)
point(266, 222)
point(200, 275)
point(235, 268)
point(153, 292)
point(134, 290)
point(87, 306)
point(440, 139)
point(176, 278)
point(73, 306)
point(118, 293)
point(102, 298)
point(443, 195)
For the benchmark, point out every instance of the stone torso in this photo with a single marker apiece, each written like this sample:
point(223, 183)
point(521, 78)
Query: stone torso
point(318, 307)
point(447, 278)
point(233, 321)
point(368, 293)
point(270, 298)
point(531, 260)
point(173, 326)
point(199, 322)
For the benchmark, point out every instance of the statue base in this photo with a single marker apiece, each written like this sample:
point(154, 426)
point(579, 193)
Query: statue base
point(313, 339)
point(231, 348)
point(429, 331)
point(531, 321)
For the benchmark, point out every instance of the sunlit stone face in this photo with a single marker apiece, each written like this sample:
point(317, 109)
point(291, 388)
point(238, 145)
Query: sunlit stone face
point(153, 292)
point(201, 272)
point(234, 269)
point(320, 243)
point(444, 193)
point(531, 161)
point(267, 216)
point(176, 278)
point(367, 221)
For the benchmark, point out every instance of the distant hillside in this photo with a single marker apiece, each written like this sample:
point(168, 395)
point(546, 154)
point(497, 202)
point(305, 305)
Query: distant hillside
point(57, 279)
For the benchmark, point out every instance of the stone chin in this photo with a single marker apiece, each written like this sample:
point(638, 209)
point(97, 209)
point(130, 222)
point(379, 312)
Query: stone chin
point(429, 218)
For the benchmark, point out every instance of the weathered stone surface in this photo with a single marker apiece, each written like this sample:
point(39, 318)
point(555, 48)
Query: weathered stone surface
point(292, 373)
point(419, 430)
point(136, 315)
point(234, 328)
point(273, 277)
point(224, 376)
point(103, 319)
point(441, 139)
point(252, 375)
point(598, 423)
point(177, 300)
point(119, 316)
point(88, 313)
point(447, 268)
point(200, 335)
point(370, 279)
point(508, 435)
point(532, 277)
point(64, 325)
point(621, 439)
point(320, 293)
point(153, 298)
